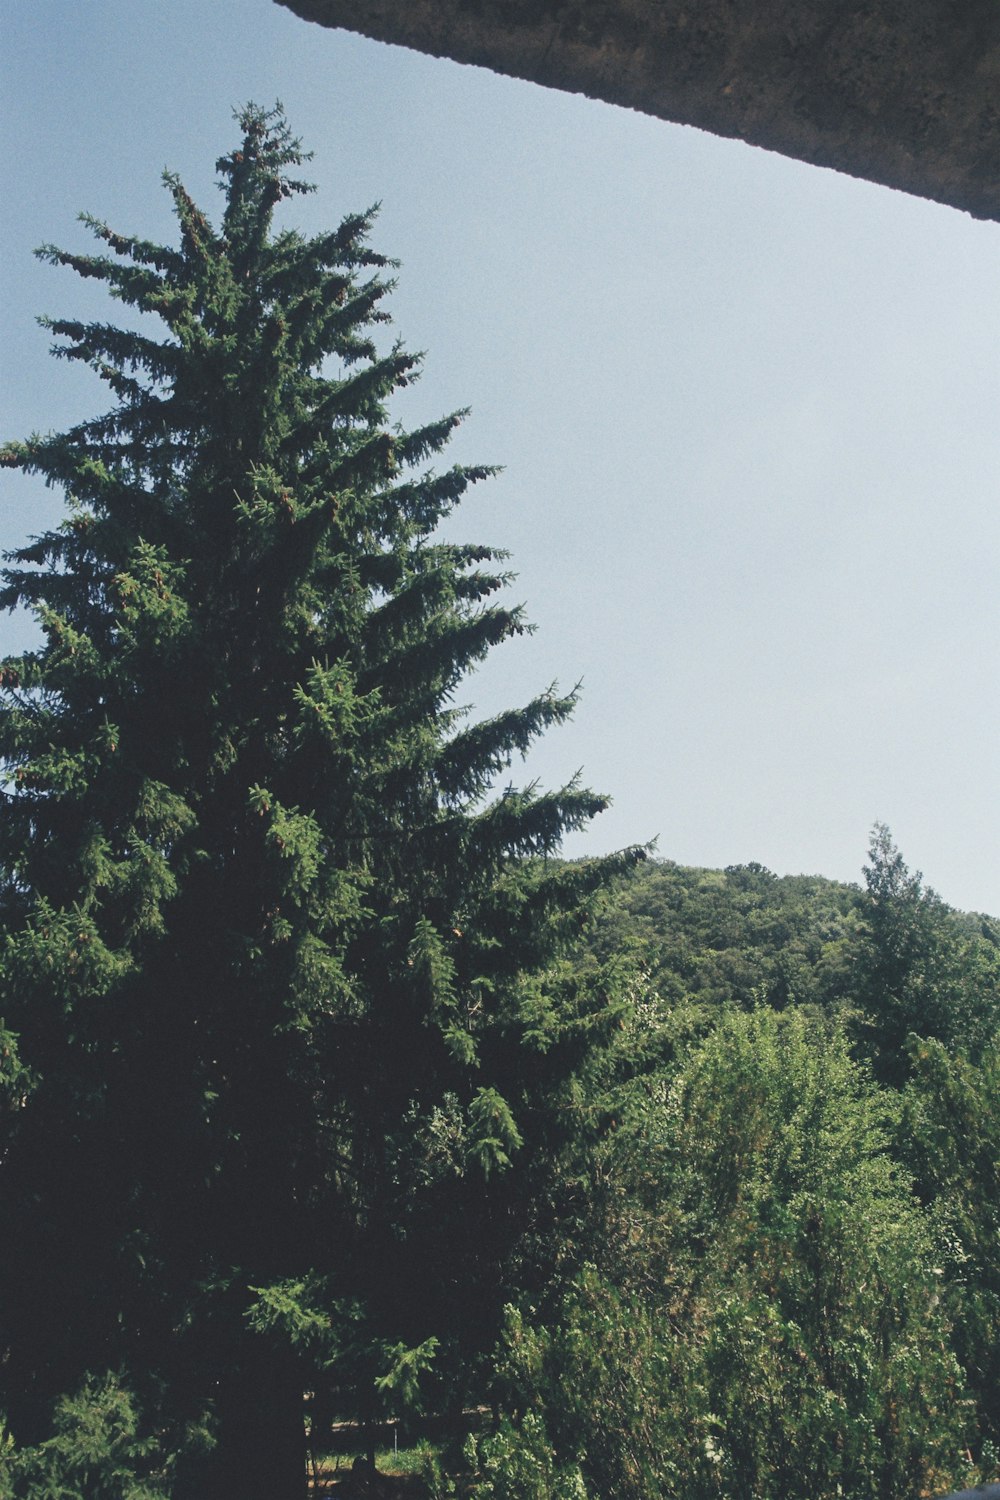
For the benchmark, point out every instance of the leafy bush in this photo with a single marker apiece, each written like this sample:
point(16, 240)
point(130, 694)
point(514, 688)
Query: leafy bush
point(99, 1450)
point(762, 1319)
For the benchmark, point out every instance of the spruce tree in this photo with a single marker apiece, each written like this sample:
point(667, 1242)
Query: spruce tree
point(280, 1060)
point(923, 969)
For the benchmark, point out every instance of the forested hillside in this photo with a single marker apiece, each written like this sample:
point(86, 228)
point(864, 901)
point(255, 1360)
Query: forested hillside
point(786, 1276)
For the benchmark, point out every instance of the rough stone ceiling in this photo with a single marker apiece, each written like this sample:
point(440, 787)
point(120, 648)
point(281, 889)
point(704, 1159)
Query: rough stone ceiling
point(902, 92)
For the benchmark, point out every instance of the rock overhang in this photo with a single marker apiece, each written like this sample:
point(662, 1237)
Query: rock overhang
point(900, 92)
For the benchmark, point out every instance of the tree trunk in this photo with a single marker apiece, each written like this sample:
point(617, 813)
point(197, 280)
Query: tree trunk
point(261, 1449)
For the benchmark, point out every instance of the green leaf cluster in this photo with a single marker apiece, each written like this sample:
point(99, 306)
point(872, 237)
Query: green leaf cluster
point(775, 1266)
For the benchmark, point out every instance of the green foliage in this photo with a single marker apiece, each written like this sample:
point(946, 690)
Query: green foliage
point(826, 1350)
point(15, 1079)
point(738, 936)
point(763, 1316)
point(493, 1134)
point(922, 968)
point(275, 949)
point(438, 1485)
point(401, 1382)
point(949, 1135)
point(313, 1056)
point(289, 1308)
point(517, 1462)
point(99, 1450)
point(750, 1300)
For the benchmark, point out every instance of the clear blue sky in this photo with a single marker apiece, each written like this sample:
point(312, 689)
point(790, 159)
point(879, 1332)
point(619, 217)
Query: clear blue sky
point(748, 411)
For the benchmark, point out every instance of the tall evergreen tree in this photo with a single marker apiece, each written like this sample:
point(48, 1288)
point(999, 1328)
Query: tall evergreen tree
point(275, 1017)
point(923, 969)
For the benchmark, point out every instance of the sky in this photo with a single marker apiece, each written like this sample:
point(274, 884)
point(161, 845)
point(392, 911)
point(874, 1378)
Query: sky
point(747, 412)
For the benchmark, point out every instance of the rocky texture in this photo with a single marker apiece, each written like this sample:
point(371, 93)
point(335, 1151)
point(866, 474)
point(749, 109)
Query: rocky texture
point(902, 92)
